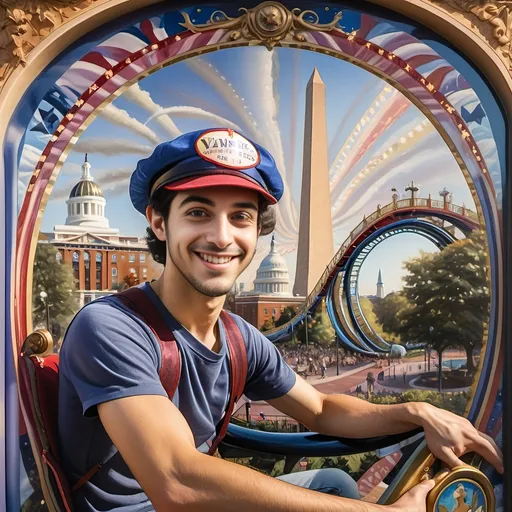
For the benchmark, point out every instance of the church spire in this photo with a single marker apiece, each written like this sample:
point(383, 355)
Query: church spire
point(380, 286)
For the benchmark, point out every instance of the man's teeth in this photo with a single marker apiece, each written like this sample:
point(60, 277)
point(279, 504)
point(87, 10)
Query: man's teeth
point(215, 259)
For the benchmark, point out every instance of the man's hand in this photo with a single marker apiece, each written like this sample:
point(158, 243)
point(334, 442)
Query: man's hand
point(414, 500)
point(450, 436)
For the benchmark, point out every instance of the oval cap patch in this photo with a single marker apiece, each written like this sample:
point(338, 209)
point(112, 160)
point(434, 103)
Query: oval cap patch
point(227, 148)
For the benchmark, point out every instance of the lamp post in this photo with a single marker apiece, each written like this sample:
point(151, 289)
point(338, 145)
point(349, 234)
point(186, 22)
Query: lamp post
point(337, 354)
point(431, 333)
point(44, 297)
point(412, 189)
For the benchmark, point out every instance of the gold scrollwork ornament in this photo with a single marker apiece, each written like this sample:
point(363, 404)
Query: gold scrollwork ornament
point(269, 23)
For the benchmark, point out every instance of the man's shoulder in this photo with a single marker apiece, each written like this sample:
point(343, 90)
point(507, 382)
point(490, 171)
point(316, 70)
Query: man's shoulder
point(105, 321)
point(102, 312)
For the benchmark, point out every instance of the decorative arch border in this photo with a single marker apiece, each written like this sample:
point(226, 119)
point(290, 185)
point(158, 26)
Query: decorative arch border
point(325, 39)
point(423, 11)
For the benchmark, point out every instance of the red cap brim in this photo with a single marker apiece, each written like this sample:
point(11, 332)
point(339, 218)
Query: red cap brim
point(219, 180)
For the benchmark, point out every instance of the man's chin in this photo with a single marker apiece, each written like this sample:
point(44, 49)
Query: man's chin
point(212, 289)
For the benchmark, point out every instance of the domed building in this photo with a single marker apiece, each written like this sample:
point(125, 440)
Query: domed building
point(100, 256)
point(86, 204)
point(272, 275)
point(271, 293)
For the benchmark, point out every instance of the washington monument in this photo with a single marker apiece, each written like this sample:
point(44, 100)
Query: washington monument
point(316, 247)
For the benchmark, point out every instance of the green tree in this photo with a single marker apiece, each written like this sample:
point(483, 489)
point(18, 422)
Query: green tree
point(387, 311)
point(287, 314)
point(322, 331)
point(57, 281)
point(268, 324)
point(448, 295)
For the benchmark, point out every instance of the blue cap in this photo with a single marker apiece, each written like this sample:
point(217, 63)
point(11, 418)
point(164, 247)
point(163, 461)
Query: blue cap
point(206, 158)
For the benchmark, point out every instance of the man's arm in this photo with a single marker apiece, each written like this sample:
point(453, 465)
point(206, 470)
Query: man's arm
point(448, 436)
point(155, 441)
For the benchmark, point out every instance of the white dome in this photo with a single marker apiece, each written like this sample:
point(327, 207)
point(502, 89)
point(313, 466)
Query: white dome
point(272, 276)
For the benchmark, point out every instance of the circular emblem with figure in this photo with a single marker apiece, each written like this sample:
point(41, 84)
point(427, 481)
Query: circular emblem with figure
point(464, 489)
point(227, 148)
point(462, 496)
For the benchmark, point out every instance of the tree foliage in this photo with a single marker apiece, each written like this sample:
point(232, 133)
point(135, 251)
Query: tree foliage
point(448, 297)
point(320, 329)
point(288, 313)
point(131, 279)
point(268, 324)
point(387, 311)
point(57, 280)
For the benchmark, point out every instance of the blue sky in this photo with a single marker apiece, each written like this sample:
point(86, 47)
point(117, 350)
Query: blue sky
point(264, 93)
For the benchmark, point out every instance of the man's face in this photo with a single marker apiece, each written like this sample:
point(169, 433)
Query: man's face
point(212, 235)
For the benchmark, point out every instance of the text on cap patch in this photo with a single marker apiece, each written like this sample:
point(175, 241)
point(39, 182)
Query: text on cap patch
point(227, 148)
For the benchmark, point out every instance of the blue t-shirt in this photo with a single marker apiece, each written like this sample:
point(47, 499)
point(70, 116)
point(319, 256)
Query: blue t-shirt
point(109, 353)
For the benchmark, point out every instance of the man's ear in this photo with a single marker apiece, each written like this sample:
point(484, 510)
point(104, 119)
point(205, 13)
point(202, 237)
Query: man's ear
point(156, 223)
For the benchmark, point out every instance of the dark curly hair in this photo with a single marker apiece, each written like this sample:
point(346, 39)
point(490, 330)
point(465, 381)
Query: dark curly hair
point(161, 203)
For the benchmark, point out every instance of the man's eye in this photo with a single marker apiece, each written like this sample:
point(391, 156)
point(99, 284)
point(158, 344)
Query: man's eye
point(196, 213)
point(241, 216)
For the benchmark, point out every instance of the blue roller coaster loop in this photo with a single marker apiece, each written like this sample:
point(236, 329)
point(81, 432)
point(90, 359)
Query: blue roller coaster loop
point(439, 236)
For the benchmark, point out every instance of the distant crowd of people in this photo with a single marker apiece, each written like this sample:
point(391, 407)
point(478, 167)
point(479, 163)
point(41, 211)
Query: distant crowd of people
point(315, 359)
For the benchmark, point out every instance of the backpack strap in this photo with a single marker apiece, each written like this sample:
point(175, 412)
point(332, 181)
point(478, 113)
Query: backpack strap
point(138, 301)
point(170, 370)
point(237, 374)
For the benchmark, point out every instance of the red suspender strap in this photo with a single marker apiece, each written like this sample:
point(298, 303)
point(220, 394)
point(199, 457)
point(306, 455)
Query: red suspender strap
point(170, 371)
point(139, 302)
point(237, 374)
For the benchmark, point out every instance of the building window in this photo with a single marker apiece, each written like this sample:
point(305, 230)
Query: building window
point(78, 209)
point(265, 311)
point(86, 208)
point(131, 258)
point(144, 272)
point(87, 268)
point(274, 312)
point(114, 272)
point(123, 257)
point(99, 271)
point(58, 257)
point(142, 257)
point(76, 269)
point(114, 258)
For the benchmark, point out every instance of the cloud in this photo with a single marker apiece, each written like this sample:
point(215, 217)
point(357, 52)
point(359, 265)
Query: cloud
point(71, 169)
point(115, 181)
point(122, 118)
point(194, 112)
point(110, 147)
point(143, 99)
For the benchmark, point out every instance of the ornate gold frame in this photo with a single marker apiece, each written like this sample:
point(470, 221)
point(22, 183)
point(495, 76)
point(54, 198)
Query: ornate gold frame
point(463, 474)
point(33, 32)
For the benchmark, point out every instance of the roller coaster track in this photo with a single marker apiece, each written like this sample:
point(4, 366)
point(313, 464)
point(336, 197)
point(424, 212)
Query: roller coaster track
point(363, 339)
point(349, 286)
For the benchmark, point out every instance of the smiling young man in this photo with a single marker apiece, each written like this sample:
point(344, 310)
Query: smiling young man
point(207, 196)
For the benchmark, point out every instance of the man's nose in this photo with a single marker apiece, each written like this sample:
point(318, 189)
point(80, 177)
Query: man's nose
point(220, 233)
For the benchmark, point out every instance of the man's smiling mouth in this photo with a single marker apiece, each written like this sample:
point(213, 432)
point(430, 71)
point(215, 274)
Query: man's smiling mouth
point(217, 260)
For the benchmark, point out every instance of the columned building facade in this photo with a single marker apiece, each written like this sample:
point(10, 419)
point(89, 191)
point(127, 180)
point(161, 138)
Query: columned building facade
point(100, 256)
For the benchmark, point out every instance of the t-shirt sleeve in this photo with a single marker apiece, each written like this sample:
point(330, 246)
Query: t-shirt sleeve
point(268, 375)
point(107, 354)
